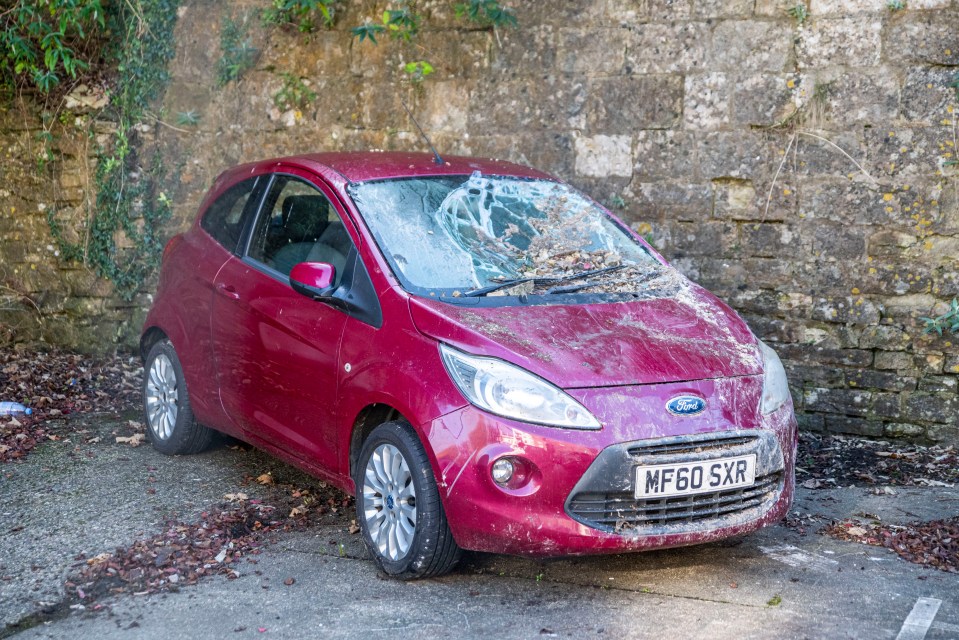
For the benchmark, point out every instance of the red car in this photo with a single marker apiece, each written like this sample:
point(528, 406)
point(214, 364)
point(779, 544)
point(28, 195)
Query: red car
point(483, 356)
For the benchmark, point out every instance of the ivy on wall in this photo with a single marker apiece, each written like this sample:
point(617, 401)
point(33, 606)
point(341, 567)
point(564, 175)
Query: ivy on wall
point(123, 242)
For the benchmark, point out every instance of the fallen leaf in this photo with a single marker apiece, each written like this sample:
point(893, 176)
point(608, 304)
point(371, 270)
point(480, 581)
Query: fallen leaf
point(134, 441)
point(265, 478)
point(354, 528)
point(235, 497)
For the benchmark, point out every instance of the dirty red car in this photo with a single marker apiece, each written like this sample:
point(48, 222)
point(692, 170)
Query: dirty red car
point(483, 356)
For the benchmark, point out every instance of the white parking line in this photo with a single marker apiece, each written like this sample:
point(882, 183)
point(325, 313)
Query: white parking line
point(919, 620)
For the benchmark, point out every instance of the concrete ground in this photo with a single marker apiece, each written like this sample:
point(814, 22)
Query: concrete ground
point(87, 494)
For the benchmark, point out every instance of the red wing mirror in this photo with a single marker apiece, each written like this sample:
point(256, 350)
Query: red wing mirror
point(313, 279)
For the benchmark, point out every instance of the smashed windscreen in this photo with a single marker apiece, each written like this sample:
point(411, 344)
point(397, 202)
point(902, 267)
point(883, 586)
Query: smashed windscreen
point(488, 235)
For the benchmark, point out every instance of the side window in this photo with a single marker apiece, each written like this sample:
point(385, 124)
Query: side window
point(299, 224)
point(224, 218)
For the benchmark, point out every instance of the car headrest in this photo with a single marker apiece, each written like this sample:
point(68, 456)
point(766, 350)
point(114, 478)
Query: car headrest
point(305, 217)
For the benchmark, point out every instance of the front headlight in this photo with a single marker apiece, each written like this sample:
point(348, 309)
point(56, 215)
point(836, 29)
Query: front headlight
point(775, 387)
point(511, 392)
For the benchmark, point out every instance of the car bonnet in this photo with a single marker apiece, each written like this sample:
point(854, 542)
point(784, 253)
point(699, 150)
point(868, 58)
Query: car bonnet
point(692, 336)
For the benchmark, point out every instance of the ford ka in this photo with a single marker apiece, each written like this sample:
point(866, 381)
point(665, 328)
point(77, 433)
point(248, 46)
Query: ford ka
point(479, 353)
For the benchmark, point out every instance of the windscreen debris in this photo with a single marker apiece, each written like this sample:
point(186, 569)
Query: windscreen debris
point(493, 235)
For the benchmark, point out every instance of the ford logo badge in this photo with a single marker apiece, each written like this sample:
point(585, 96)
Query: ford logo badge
point(686, 406)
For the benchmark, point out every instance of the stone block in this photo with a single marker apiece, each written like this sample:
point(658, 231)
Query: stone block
point(909, 154)
point(772, 329)
point(558, 13)
point(668, 47)
point(903, 430)
point(751, 46)
point(850, 203)
point(814, 375)
point(602, 156)
point(853, 426)
point(674, 200)
point(774, 9)
point(943, 434)
point(838, 242)
point(939, 384)
point(734, 199)
point(811, 421)
point(827, 154)
point(524, 52)
point(764, 99)
point(593, 51)
point(706, 101)
point(702, 238)
point(820, 356)
point(879, 380)
point(951, 364)
point(927, 95)
point(845, 7)
point(931, 407)
point(774, 273)
point(847, 41)
point(868, 97)
point(927, 37)
point(902, 277)
point(886, 337)
point(734, 154)
point(664, 155)
point(696, 9)
point(446, 105)
point(846, 309)
point(772, 240)
point(893, 360)
point(522, 106)
point(622, 104)
point(838, 401)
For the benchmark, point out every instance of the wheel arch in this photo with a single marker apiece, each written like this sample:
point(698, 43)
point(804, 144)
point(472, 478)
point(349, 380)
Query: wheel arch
point(149, 338)
point(370, 417)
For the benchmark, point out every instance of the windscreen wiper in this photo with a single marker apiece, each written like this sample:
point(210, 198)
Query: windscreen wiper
point(482, 291)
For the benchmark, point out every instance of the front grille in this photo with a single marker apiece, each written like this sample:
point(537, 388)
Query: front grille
point(689, 446)
point(622, 513)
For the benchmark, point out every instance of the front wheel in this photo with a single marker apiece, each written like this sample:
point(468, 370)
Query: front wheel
point(398, 506)
point(166, 405)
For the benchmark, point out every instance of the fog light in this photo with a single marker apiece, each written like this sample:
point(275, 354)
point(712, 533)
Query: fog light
point(502, 470)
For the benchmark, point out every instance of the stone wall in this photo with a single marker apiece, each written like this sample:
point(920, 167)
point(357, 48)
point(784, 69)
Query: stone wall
point(799, 170)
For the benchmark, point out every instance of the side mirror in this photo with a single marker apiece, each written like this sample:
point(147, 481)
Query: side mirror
point(313, 279)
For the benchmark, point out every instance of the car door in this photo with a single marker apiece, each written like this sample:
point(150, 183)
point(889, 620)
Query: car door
point(276, 349)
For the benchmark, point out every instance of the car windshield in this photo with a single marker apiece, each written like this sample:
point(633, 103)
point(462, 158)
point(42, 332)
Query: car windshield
point(494, 235)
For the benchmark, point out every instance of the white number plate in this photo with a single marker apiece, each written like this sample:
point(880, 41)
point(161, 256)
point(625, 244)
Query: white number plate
point(690, 478)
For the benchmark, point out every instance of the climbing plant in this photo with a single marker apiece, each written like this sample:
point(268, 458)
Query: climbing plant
point(45, 42)
point(122, 240)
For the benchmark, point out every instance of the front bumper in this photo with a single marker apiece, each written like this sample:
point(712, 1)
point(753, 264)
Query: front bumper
point(579, 499)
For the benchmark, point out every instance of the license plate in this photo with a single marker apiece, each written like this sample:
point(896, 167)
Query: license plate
point(690, 478)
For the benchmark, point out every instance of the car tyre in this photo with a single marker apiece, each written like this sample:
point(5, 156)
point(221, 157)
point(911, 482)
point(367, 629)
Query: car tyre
point(171, 427)
point(398, 506)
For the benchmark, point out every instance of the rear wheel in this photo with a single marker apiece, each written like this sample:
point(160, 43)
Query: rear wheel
point(171, 427)
point(398, 506)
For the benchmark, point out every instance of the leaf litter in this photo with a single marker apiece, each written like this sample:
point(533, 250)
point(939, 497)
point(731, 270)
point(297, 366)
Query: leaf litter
point(56, 384)
point(225, 541)
point(831, 461)
point(933, 544)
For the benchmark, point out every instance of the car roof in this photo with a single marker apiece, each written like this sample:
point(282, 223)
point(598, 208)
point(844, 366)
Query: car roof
point(378, 165)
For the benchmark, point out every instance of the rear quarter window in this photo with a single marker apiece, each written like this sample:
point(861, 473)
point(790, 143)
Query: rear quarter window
point(224, 218)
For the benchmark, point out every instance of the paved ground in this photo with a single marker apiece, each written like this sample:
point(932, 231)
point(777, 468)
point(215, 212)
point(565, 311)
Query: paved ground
point(83, 495)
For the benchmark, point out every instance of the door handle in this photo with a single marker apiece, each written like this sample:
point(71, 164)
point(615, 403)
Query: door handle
point(228, 291)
